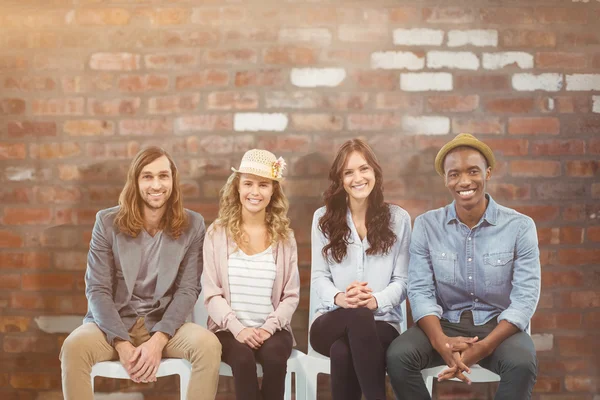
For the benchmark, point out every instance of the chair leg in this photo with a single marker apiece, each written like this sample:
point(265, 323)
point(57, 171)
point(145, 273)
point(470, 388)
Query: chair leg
point(311, 386)
point(429, 384)
point(288, 386)
point(92, 378)
point(301, 386)
point(184, 382)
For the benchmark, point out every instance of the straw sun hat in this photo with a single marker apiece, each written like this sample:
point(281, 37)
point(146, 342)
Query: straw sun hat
point(464, 139)
point(262, 163)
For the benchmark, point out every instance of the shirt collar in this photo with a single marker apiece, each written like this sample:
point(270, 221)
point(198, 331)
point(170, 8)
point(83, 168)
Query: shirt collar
point(490, 215)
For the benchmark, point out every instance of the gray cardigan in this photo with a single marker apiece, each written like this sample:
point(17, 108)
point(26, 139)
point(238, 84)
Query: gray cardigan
point(112, 268)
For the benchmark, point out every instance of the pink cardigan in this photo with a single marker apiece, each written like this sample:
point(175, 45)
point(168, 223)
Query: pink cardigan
point(215, 284)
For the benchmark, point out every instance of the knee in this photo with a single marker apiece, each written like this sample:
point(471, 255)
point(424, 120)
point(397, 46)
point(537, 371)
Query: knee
point(360, 318)
point(339, 353)
point(75, 346)
point(243, 359)
point(522, 364)
point(399, 354)
point(206, 347)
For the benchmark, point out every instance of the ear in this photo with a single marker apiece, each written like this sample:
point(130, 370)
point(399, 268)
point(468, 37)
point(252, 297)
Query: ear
point(488, 173)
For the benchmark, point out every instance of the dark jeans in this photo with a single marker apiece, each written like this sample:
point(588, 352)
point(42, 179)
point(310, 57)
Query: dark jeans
point(356, 345)
point(272, 355)
point(514, 360)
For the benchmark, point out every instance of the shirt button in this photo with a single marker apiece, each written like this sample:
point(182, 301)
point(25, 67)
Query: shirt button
point(469, 237)
point(471, 294)
point(443, 254)
point(499, 262)
point(476, 300)
point(470, 277)
point(470, 259)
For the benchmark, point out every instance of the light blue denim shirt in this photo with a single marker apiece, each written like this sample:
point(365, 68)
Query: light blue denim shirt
point(491, 270)
point(386, 274)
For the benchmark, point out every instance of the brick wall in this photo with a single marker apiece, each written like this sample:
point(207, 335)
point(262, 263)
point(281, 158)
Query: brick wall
point(84, 84)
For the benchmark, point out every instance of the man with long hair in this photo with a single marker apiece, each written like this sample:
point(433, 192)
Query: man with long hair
point(142, 281)
point(473, 284)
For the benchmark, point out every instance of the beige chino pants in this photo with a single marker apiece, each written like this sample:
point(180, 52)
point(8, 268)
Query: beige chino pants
point(87, 345)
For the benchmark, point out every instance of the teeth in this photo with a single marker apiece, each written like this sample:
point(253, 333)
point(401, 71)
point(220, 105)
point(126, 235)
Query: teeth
point(155, 194)
point(360, 186)
point(466, 192)
point(254, 201)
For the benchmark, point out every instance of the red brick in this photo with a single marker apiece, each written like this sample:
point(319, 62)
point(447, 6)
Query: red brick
point(477, 125)
point(48, 302)
point(230, 57)
point(202, 79)
point(19, 195)
point(143, 83)
point(162, 16)
point(591, 320)
point(507, 191)
point(507, 15)
point(373, 122)
point(539, 213)
point(10, 281)
point(31, 83)
point(593, 234)
point(403, 14)
point(27, 216)
point(380, 80)
point(112, 150)
point(584, 125)
point(565, 104)
point(12, 151)
point(59, 106)
point(579, 256)
point(510, 105)
point(101, 16)
point(24, 260)
point(449, 15)
point(115, 61)
point(12, 106)
point(289, 55)
point(13, 62)
point(561, 190)
point(582, 169)
point(594, 146)
point(572, 15)
point(572, 278)
point(527, 38)
point(362, 33)
point(173, 104)
point(19, 129)
point(89, 127)
point(46, 151)
point(232, 100)
point(205, 123)
point(533, 126)
point(479, 83)
point(250, 34)
point(219, 16)
point(508, 147)
point(43, 282)
point(452, 103)
point(317, 122)
point(560, 60)
point(346, 56)
point(10, 239)
point(57, 195)
point(146, 127)
point(571, 235)
point(100, 82)
point(398, 101)
point(557, 147)
point(579, 212)
point(115, 107)
point(575, 39)
point(543, 321)
point(28, 344)
point(346, 101)
point(285, 143)
point(563, 366)
point(596, 61)
point(585, 384)
point(186, 38)
point(546, 384)
point(263, 77)
point(34, 380)
point(9, 323)
point(576, 346)
point(170, 61)
point(535, 168)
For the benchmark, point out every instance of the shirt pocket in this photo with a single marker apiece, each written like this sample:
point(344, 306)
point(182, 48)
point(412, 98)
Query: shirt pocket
point(444, 266)
point(498, 268)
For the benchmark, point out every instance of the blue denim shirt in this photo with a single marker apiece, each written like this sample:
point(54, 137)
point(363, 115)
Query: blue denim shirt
point(491, 270)
point(386, 274)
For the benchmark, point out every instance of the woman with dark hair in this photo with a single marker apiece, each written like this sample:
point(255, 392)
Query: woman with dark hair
point(360, 267)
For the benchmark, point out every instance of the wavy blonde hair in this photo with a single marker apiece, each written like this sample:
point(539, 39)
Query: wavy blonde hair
point(230, 212)
point(130, 219)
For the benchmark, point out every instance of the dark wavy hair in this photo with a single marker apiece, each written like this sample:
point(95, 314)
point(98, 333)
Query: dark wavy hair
point(333, 223)
point(129, 218)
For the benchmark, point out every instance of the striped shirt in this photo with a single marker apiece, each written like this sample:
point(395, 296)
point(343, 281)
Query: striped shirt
point(251, 281)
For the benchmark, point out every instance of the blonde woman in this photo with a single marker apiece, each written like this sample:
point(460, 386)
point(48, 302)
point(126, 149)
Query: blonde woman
point(250, 279)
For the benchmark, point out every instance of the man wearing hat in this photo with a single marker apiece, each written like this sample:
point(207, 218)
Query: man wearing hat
point(473, 284)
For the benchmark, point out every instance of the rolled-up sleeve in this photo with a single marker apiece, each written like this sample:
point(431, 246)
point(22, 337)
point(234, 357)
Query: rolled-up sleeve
point(526, 280)
point(321, 272)
point(421, 285)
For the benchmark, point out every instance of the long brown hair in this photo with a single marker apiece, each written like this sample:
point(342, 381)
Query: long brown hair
point(230, 212)
point(129, 219)
point(333, 223)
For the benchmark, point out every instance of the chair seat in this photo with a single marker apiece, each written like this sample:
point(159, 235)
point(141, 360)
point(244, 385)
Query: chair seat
point(294, 364)
point(478, 374)
point(114, 369)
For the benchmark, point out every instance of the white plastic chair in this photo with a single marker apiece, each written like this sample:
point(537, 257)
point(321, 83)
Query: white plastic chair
point(316, 363)
point(478, 373)
point(294, 363)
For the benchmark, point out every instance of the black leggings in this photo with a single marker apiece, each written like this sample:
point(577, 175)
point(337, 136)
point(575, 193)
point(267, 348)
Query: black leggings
point(356, 345)
point(272, 355)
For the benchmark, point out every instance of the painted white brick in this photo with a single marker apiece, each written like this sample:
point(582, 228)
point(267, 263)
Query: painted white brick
point(427, 125)
point(531, 82)
point(583, 82)
point(397, 60)
point(596, 104)
point(475, 37)
point(19, 173)
point(501, 60)
point(449, 59)
point(320, 36)
point(418, 37)
point(543, 341)
point(426, 81)
point(119, 396)
point(58, 324)
point(314, 77)
point(255, 122)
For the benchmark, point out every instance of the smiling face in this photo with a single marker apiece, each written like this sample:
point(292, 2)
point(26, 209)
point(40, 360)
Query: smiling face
point(358, 177)
point(466, 175)
point(155, 183)
point(255, 193)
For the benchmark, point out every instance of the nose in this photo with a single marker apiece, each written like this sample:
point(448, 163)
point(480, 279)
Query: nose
point(465, 180)
point(155, 183)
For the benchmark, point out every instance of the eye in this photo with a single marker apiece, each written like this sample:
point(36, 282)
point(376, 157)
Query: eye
point(452, 175)
point(363, 169)
point(164, 176)
point(347, 173)
point(474, 172)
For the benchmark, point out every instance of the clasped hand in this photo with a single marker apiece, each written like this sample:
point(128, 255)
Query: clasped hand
point(142, 362)
point(460, 353)
point(253, 337)
point(358, 294)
